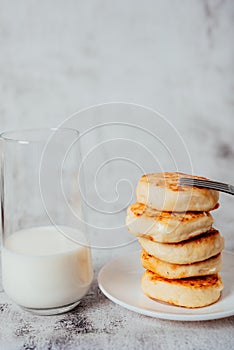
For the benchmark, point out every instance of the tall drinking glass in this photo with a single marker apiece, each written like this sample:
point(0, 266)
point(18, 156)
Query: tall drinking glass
point(46, 261)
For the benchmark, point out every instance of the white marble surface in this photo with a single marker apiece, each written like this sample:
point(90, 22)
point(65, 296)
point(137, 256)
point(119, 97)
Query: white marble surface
point(177, 57)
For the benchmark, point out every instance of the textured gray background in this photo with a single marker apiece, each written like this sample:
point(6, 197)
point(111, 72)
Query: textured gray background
point(57, 57)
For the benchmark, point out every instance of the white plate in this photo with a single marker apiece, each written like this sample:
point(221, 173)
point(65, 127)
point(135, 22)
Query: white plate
point(119, 280)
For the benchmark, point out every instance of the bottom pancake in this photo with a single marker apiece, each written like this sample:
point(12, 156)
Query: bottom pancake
point(174, 271)
point(190, 292)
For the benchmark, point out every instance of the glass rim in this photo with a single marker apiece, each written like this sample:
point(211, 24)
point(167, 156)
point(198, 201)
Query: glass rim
point(5, 135)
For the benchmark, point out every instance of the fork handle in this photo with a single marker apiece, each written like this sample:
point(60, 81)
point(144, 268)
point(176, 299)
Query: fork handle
point(231, 187)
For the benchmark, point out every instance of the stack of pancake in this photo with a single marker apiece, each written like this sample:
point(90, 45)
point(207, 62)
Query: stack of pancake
point(181, 250)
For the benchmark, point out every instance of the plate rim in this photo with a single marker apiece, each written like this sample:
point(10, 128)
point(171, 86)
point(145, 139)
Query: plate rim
point(158, 314)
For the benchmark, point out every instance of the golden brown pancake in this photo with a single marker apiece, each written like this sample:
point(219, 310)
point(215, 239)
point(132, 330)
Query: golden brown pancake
point(192, 250)
point(189, 292)
point(143, 221)
point(174, 271)
point(161, 191)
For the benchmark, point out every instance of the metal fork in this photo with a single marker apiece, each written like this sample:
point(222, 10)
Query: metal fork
point(214, 185)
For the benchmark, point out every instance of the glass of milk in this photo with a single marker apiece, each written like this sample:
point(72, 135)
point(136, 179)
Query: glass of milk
point(46, 258)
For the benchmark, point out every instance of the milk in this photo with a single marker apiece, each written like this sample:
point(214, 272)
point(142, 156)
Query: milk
point(43, 269)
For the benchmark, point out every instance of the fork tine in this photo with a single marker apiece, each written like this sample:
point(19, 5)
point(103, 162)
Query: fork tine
point(215, 185)
point(194, 182)
point(204, 183)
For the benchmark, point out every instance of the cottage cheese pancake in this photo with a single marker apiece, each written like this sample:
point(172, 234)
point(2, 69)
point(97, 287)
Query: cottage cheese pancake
point(166, 227)
point(162, 192)
point(174, 271)
point(195, 249)
point(191, 292)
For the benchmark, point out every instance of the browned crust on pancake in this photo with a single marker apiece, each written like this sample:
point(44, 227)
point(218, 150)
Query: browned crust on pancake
point(170, 180)
point(194, 282)
point(149, 262)
point(208, 236)
point(145, 256)
point(141, 209)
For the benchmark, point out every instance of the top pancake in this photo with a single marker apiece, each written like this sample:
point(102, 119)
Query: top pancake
point(163, 192)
